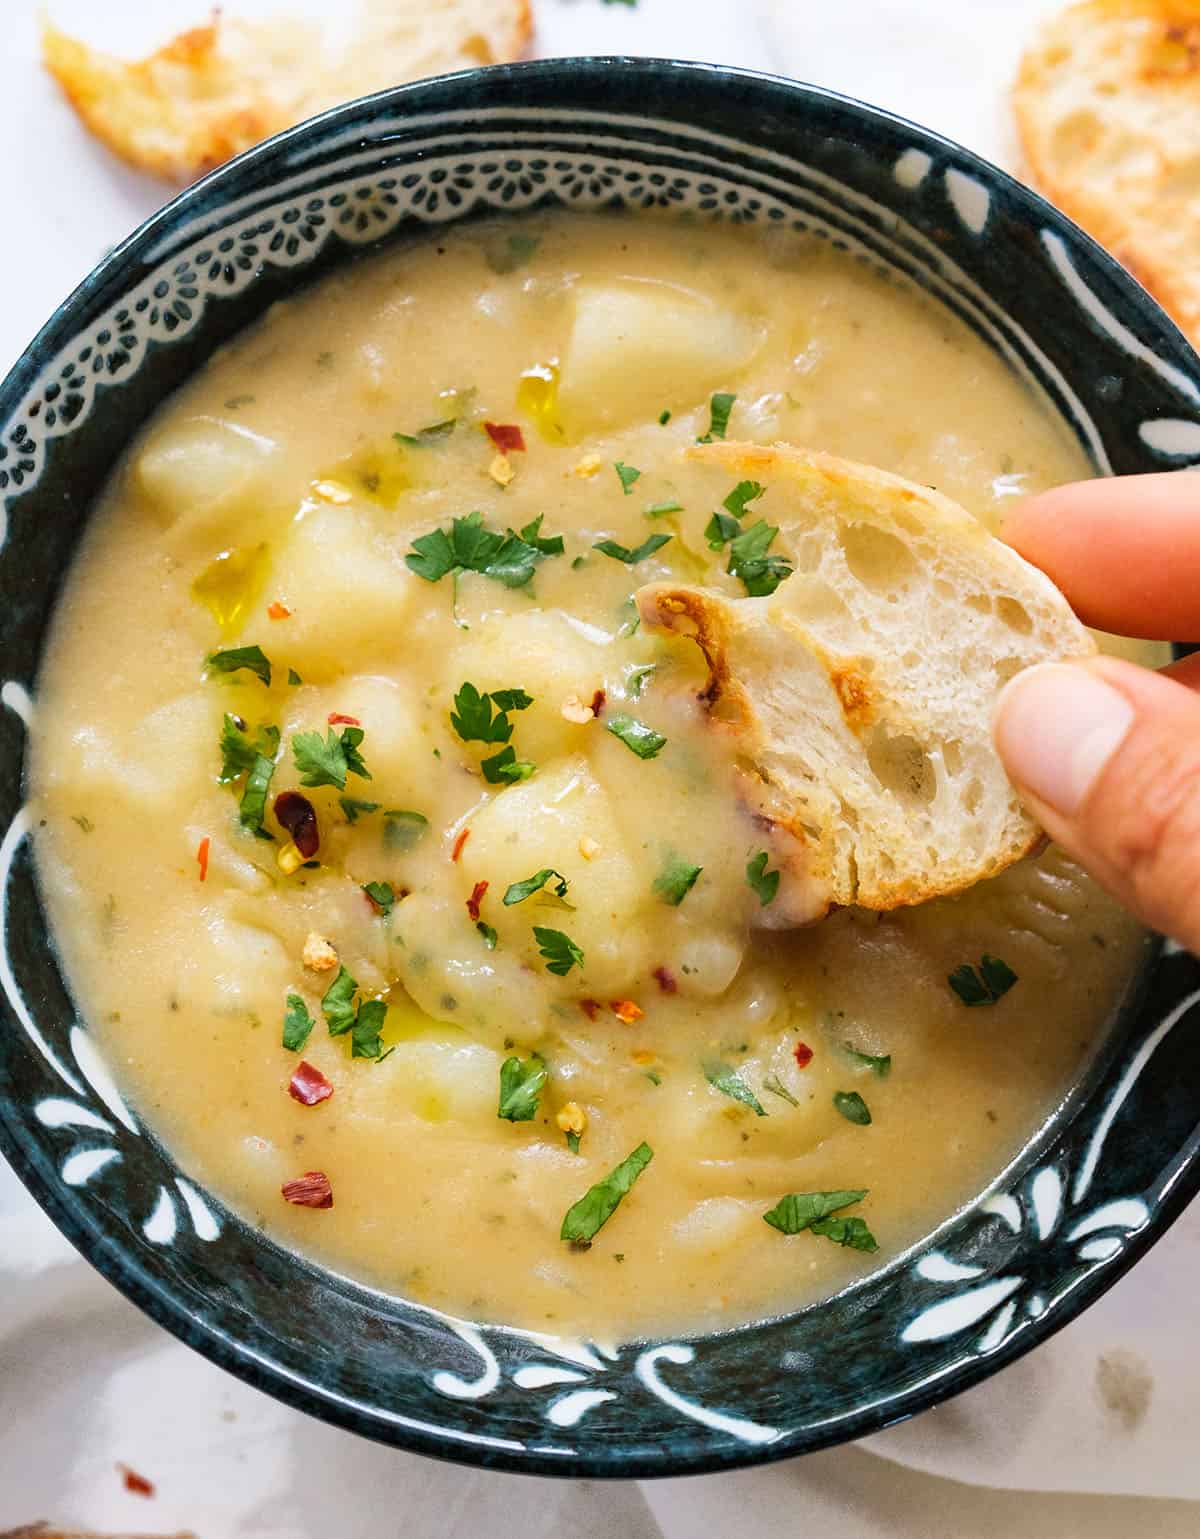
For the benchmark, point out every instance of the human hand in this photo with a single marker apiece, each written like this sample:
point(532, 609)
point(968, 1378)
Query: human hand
point(1106, 754)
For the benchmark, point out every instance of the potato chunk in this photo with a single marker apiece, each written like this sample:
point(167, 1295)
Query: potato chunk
point(542, 654)
point(224, 965)
point(199, 473)
point(131, 768)
point(540, 824)
point(638, 346)
point(395, 747)
point(347, 593)
point(453, 976)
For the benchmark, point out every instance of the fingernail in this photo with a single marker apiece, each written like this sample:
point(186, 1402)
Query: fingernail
point(1056, 728)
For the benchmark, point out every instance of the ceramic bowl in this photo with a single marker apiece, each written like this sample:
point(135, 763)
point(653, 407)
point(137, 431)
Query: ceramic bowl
point(1089, 1194)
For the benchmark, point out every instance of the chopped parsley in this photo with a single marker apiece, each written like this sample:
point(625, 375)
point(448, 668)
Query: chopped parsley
point(517, 249)
point(852, 1107)
point(512, 699)
point(585, 1218)
point(661, 509)
point(427, 435)
point(489, 934)
point(366, 1035)
point(521, 1086)
point(764, 883)
point(623, 553)
point(631, 622)
point(519, 891)
point(469, 546)
point(636, 735)
point(364, 1023)
point(327, 761)
point(719, 409)
point(664, 416)
point(984, 986)
point(337, 1003)
point(720, 529)
point(546, 545)
point(776, 1086)
point(635, 684)
point(294, 678)
point(743, 493)
point(627, 475)
point(851, 1232)
point(297, 1024)
point(239, 751)
point(354, 809)
point(558, 951)
point(760, 574)
point(504, 768)
point(381, 895)
point(573, 1142)
point(675, 881)
point(721, 1077)
point(253, 805)
point(483, 718)
point(402, 829)
point(878, 1065)
point(813, 1210)
point(253, 659)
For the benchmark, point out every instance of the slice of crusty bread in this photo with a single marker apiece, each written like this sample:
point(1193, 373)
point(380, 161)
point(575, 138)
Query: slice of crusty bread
point(45, 1531)
point(861, 692)
point(215, 90)
point(1108, 106)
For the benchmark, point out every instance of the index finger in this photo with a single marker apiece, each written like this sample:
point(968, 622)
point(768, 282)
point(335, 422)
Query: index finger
point(1124, 550)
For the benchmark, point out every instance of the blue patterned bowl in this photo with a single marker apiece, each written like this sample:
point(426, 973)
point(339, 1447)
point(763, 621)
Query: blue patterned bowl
point(1090, 1193)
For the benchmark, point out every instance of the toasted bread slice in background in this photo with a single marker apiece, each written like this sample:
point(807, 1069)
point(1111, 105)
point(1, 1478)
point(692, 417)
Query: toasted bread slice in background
point(215, 90)
point(861, 692)
point(1108, 107)
point(47, 1531)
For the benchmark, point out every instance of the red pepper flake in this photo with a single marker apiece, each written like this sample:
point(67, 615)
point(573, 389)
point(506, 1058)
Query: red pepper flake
point(136, 1483)
point(590, 1008)
point(298, 815)
point(803, 1054)
point(665, 979)
point(505, 436)
point(202, 850)
point(476, 899)
point(459, 842)
point(336, 719)
point(598, 700)
point(625, 1010)
point(277, 611)
point(311, 1190)
point(309, 1086)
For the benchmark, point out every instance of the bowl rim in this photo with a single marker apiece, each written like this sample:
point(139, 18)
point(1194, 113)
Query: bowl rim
point(222, 1347)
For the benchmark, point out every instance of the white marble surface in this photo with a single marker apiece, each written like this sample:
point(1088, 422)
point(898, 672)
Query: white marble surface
point(1056, 1446)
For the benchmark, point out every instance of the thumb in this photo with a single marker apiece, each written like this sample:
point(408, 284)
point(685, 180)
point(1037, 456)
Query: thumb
point(1107, 758)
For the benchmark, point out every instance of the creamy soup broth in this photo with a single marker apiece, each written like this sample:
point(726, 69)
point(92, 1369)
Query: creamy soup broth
point(269, 504)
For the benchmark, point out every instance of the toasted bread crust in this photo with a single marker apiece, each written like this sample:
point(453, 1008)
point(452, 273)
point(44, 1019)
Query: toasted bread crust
point(1107, 104)
point(217, 89)
point(46, 1531)
point(866, 740)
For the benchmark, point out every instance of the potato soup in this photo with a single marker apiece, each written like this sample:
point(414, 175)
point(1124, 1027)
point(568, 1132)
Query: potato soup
point(399, 872)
